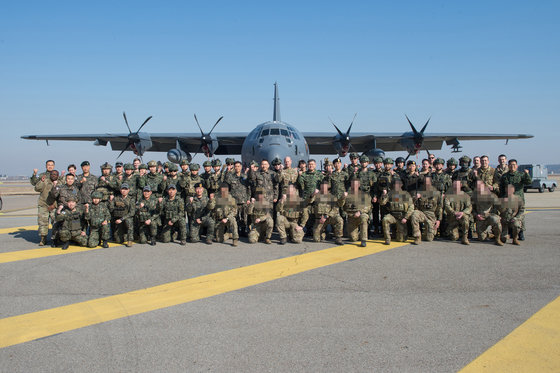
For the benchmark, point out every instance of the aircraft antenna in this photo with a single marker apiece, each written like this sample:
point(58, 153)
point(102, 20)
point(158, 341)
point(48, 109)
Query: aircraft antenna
point(276, 113)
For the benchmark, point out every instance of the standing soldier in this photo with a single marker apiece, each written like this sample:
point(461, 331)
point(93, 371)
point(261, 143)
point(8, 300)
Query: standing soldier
point(239, 187)
point(200, 209)
point(499, 171)
point(205, 176)
point(260, 210)
point(426, 168)
point(288, 176)
point(309, 181)
point(519, 180)
point(486, 173)
point(458, 208)
point(326, 211)
point(216, 178)
point(131, 179)
point(86, 183)
point(154, 179)
point(122, 209)
point(173, 216)
point(191, 180)
point(229, 167)
point(72, 221)
point(61, 192)
point(172, 178)
point(292, 216)
point(353, 167)
point(440, 179)
point(98, 217)
point(141, 180)
point(512, 208)
point(106, 183)
point(338, 179)
point(451, 166)
point(400, 208)
point(484, 209)
point(429, 208)
point(266, 179)
point(399, 167)
point(357, 206)
point(49, 165)
point(410, 178)
point(465, 175)
point(148, 212)
point(476, 163)
point(225, 215)
point(46, 204)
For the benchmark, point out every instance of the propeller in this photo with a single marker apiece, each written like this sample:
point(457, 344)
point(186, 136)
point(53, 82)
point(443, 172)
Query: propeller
point(343, 138)
point(133, 138)
point(418, 135)
point(208, 144)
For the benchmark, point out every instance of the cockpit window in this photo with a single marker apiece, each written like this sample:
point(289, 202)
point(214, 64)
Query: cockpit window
point(274, 131)
point(284, 133)
point(264, 132)
point(294, 134)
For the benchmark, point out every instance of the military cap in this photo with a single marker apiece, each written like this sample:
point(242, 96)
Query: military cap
point(465, 159)
point(128, 166)
point(194, 166)
point(439, 161)
point(354, 155)
point(378, 160)
point(184, 162)
point(388, 161)
point(326, 162)
point(230, 161)
point(276, 161)
point(106, 165)
point(166, 164)
point(172, 186)
point(410, 162)
point(124, 186)
point(84, 163)
point(452, 161)
point(152, 164)
point(259, 190)
point(198, 185)
point(254, 163)
point(119, 164)
point(364, 158)
point(216, 163)
point(336, 160)
point(72, 198)
point(173, 167)
point(147, 188)
point(97, 195)
point(399, 160)
point(206, 164)
point(143, 166)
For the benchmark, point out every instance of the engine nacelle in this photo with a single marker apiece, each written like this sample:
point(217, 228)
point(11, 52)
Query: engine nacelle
point(341, 145)
point(376, 152)
point(177, 155)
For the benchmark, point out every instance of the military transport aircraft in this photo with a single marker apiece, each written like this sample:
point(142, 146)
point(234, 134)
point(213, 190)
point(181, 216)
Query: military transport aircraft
point(276, 139)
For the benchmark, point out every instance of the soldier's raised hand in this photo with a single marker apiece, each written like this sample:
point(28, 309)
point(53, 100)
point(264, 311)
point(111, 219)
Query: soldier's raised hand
point(62, 173)
point(345, 194)
point(141, 204)
point(35, 171)
point(83, 180)
point(104, 222)
point(164, 177)
point(148, 222)
point(224, 220)
point(102, 178)
point(357, 214)
point(211, 195)
point(384, 192)
point(111, 197)
point(257, 220)
point(191, 199)
point(86, 206)
point(198, 221)
point(43, 178)
point(316, 192)
point(160, 199)
point(252, 200)
point(403, 221)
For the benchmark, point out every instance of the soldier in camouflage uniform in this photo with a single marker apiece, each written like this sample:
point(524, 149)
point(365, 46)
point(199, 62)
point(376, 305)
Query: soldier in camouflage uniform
point(357, 206)
point(229, 167)
point(292, 216)
point(173, 216)
point(239, 187)
point(200, 209)
point(141, 180)
point(191, 180)
point(458, 208)
point(326, 211)
point(309, 180)
point(216, 178)
point(338, 179)
point(260, 210)
point(353, 167)
point(106, 183)
point(99, 218)
point(267, 180)
point(399, 167)
point(519, 180)
point(131, 179)
point(225, 214)
point(512, 210)
point(72, 223)
point(465, 175)
point(288, 176)
point(499, 171)
point(428, 210)
point(34, 179)
point(148, 213)
point(400, 208)
point(440, 180)
point(205, 176)
point(410, 179)
point(172, 178)
point(486, 173)
point(123, 209)
point(46, 205)
point(451, 166)
point(485, 208)
point(61, 192)
point(86, 182)
point(154, 179)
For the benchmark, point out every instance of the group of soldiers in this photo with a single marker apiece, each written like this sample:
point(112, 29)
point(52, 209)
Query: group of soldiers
point(166, 202)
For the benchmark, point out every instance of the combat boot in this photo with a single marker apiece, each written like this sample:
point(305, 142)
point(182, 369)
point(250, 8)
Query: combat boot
point(153, 241)
point(65, 245)
point(283, 241)
point(208, 241)
point(388, 241)
point(515, 241)
point(183, 242)
point(465, 240)
point(499, 241)
point(267, 241)
point(105, 244)
point(364, 243)
point(128, 244)
point(234, 243)
point(43, 241)
point(338, 241)
point(417, 240)
point(521, 236)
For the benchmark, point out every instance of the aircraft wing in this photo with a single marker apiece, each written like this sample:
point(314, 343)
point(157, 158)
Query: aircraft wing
point(322, 142)
point(230, 143)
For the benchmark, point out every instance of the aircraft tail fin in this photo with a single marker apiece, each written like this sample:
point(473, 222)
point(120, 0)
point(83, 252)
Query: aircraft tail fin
point(276, 113)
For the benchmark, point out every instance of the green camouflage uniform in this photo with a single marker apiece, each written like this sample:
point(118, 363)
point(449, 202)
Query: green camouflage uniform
point(72, 223)
point(519, 180)
point(201, 208)
point(512, 212)
point(46, 205)
point(239, 189)
point(287, 176)
point(263, 212)
point(61, 193)
point(487, 177)
point(467, 179)
point(291, 214)
point(226, 208)
point(457, 203)
point(338, 182)
point(86, 187)
point(95, 216)
point(214, 181)
point(189, 183)
point(107, 186)
point(268, 181)
point(123, 209)
point(429, 209)
point(148, 209)
point(132, 182)
point(154, 181)
point(354, 203)
point(399, 206)
point(441, 181)
point(326, 207)
point(486, 205)
point(173, 210)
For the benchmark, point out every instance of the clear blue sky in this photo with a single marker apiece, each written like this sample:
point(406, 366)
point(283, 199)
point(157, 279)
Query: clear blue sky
point(478, 66)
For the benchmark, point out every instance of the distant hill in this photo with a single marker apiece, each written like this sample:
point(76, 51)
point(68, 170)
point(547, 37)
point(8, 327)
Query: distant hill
point(553, 168)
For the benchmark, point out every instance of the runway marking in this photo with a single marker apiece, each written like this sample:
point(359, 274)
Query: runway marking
point(35, 325)
point(534, 346)
point(46, 251)
point(19, 229)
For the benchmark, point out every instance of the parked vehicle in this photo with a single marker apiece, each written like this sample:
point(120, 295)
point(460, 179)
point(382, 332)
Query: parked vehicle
point(539, 174)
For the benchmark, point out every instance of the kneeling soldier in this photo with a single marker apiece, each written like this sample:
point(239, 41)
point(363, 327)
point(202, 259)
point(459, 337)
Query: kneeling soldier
point(512, 209)
point(148, 210)
point(173, 213)
point(98, 217)
point(429, 207)
point(399, 209)
point(292, 216)
point(485, 207)
point(260, 210)
point(357, 206)
point(122, 211)
point(326, 209)
point(458, 210)
point(72, 223)
point(225, 213)
point(200, 209)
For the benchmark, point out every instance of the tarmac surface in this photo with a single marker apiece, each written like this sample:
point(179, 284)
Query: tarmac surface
point(435, 307)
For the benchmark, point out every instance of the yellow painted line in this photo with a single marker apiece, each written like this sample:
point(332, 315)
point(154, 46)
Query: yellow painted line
point(19, 229)
point(31, 326)
point(46, 251)
point(534, 346)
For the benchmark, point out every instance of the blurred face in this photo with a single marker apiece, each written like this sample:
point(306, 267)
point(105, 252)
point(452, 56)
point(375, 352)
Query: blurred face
point(265, 165)
point(312, 165)
point(224, 191)
point(398, 185)
point(428, 183)
point(291, 190)
point(484, 162)
point(237, 167)
point(50, 166)
point(457, 186)
point(355, 185)
point(288, 162)
point(324, 188)
point(510, 190)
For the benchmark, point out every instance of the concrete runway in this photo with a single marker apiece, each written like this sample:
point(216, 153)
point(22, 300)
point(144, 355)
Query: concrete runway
point(429, 308)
